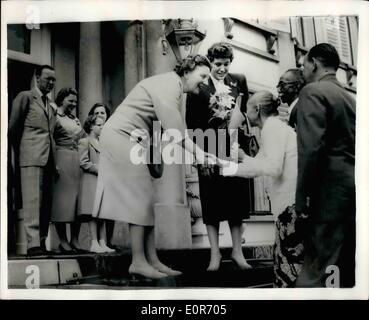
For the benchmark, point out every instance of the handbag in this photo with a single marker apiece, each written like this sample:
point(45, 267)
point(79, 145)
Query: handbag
point(247, 141)
point(156, 169)
point(153, 146)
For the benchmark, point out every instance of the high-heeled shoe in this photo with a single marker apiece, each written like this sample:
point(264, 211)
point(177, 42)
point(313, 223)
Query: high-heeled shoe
point(66, 251)
point(78, 250)
point(95, 247)
point(241, 266)
point(104, 246)
point(145, 275)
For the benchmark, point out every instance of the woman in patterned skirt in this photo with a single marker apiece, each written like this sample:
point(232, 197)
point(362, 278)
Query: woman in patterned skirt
point(277, 158)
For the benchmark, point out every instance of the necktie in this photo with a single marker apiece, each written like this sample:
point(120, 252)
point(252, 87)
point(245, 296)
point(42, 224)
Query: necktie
point(44, 100)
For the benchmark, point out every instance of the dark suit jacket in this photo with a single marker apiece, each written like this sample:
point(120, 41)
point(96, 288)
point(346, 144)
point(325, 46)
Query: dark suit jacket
point(31, 128)
point(293, 118)
point(326, 150)
point(197, 106)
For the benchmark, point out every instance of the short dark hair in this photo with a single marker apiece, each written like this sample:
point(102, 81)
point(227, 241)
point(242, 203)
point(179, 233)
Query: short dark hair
point(220, 50)
point(326, 54)
point(90, 121)
point(64, 92)
point(190, 63)
point(97, 105)
point(38, 69)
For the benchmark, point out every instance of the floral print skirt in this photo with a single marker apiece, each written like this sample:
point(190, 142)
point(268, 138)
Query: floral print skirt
point(288, 248)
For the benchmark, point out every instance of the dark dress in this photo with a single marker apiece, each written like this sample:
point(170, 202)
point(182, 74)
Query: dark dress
point(222, 198)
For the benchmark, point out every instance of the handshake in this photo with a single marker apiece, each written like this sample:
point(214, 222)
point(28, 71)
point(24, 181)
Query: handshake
point(226, 167)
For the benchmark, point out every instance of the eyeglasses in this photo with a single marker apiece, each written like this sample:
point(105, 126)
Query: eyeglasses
point(283, 84)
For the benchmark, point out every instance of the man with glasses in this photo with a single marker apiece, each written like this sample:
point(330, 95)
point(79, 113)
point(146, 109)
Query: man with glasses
point(31, 128)
point(289, 87)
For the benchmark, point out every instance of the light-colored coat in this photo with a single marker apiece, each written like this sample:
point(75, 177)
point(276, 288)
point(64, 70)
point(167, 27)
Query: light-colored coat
point(89, 154)
point(125, 190)
point(277, 158)
point(31, 128)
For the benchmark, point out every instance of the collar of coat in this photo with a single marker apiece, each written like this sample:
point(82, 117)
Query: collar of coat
point(94, 143)
point(328, 76)
point(37, 97)
point(229, 80)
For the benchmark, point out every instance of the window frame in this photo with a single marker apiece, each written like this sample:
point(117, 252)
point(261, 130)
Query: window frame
point(40, 48)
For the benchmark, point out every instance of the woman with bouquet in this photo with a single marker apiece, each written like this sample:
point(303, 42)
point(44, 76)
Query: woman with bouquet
point(222, 198)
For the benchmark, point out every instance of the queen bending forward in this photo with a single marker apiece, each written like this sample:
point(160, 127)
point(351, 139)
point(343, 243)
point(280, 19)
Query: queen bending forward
point(124, 189)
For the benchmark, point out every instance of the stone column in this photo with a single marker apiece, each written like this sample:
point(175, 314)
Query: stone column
point(134, 62)
point(90, 68)
point(90, 86)
point(172, 215)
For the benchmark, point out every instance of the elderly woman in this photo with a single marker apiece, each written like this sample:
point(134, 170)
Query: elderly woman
point(222, 198)
point(277, 158)
point(124, 189)
point(67, 133)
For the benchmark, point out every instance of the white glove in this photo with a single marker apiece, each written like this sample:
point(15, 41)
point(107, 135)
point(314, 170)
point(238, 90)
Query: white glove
point(228, 168)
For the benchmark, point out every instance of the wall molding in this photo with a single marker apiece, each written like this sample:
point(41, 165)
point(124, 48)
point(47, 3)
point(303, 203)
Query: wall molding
point(254, 51)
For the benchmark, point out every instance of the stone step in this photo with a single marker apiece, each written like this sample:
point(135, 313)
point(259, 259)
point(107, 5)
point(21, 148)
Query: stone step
point(228, 276)
point(111, 270)
point(257, 230)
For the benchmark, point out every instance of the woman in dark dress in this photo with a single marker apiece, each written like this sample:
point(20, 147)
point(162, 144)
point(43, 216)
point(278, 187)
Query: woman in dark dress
point(222, 198)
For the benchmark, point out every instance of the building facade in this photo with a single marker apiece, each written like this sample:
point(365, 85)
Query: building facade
point(104, 61)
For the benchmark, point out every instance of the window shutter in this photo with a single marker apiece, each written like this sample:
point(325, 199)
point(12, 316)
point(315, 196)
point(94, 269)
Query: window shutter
point(345, 40)
point(353, 29)
point(309, 32)
point(296, 30)
point(334, 30)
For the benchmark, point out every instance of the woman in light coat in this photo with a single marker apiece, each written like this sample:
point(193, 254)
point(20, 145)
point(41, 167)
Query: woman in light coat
point(89, 153)
point(124, 189)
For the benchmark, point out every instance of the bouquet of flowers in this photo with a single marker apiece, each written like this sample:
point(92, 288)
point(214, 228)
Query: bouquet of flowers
point(221, 104)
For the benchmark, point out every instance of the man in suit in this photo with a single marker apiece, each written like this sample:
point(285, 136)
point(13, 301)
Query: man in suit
point(289, 87)
point(325, 194)
point(31, 127)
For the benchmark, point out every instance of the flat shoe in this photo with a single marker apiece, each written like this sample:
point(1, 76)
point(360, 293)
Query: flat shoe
point(136, 275)
point(169, 271)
